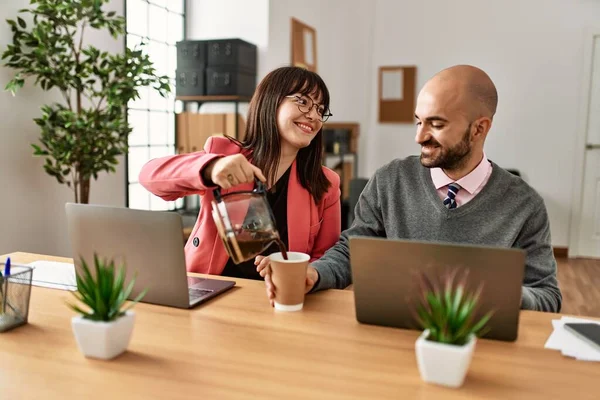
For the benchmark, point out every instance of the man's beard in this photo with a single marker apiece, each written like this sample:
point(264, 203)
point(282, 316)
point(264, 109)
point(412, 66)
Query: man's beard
point(449, 158)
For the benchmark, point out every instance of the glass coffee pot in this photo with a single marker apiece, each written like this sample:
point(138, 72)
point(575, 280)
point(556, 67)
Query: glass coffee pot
point(245, 222)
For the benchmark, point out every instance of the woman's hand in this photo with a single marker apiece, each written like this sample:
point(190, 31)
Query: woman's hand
point(264, 269)
point(262, 265)
point(230, 171)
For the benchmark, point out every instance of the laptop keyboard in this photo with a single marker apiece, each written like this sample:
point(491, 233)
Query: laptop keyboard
point(196, 293)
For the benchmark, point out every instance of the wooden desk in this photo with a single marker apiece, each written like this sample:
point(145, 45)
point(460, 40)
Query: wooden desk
point(237, 347)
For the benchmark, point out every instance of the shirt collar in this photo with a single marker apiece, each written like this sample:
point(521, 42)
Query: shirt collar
point(469, 182)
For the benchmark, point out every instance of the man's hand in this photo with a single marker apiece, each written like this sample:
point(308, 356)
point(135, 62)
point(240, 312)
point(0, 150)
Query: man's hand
point(264, 269)
point(230, 171)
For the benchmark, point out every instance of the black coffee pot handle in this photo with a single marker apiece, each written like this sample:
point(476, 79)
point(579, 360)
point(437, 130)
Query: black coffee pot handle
point(260, 188)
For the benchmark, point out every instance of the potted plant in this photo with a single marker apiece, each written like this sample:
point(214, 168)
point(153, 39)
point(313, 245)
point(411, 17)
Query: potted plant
point(104, 329)
point(82, 135)
point(446, 312)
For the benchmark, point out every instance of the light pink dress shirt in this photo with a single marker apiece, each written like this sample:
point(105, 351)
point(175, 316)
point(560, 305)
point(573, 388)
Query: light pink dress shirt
point(470, 184)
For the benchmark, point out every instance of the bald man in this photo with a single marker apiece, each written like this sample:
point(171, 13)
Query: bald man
point(445, 193)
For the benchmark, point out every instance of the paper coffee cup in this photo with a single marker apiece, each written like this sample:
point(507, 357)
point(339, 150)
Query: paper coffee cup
point(289, 278)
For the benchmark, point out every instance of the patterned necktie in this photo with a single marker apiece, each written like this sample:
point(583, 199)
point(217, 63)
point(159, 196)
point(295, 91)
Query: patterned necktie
point(450, 200)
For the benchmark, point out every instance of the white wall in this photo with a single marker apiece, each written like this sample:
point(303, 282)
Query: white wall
point(344, 29)
point(533, 51)
point(31, 202)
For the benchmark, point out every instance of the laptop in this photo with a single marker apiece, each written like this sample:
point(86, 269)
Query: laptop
point(149, 243)
point(386, 291)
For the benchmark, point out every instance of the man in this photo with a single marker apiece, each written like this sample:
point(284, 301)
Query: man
point(452, 192)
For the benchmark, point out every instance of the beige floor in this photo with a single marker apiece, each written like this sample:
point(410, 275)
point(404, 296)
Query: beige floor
point(579, 281)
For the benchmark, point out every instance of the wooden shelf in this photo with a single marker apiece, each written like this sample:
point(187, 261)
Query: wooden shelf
point(213, 98)
point(347, 156)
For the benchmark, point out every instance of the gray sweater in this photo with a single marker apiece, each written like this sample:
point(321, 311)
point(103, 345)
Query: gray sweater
point(400, 202)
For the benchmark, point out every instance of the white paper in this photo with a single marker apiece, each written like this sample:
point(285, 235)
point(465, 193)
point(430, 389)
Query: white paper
point(392, 85)
point(55, 275)
point(569, 344)
point(308, 47)
point(558, 336)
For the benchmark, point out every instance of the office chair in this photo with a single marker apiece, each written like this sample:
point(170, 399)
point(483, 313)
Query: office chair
point(356, 187)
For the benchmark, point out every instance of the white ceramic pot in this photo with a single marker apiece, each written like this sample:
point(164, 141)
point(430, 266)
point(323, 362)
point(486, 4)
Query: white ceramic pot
point(443, 364)
point(104, 340)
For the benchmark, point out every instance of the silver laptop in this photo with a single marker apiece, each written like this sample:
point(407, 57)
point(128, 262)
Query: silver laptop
point(149, 243)
point(384, 273)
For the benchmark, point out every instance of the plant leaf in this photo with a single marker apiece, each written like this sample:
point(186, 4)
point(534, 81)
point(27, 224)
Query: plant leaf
point(77, 309)
point(136, 300)
point(117, 286)
point(481, 324)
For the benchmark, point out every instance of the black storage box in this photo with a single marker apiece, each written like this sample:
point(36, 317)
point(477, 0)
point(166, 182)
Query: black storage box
point(229, 81)
point(191, 54)
point(190, 82)
point(231, 52)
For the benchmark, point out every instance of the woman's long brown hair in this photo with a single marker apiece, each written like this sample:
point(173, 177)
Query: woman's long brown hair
point(262, 136)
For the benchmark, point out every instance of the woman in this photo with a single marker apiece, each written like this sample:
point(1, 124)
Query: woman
point(282, 147)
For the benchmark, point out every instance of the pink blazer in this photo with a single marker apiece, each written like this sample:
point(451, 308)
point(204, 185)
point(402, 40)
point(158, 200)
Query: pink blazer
point(312, 228)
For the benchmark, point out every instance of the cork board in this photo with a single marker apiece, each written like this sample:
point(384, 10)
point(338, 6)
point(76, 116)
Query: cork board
point(397, 92)
point(304, 45)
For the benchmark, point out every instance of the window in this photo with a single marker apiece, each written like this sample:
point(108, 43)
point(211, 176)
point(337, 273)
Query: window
point(160, 25)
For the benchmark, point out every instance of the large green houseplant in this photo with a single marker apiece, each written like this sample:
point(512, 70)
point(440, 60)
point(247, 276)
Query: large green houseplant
point(85, 133)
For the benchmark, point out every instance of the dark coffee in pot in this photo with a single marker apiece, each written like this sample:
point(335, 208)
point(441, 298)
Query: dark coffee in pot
point(254, 242)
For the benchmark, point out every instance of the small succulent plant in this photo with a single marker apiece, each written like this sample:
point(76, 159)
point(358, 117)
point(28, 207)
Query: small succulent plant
point(447, 309)
point(105, 293)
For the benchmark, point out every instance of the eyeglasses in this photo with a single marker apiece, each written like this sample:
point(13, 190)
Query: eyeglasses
point(305, 105)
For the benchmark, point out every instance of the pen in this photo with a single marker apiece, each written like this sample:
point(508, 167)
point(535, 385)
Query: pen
point(7, 266)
